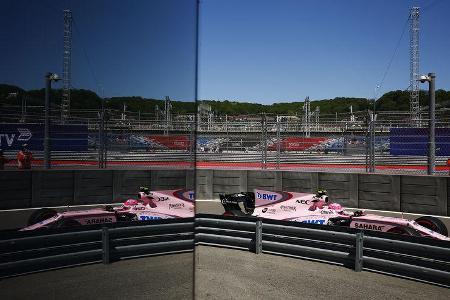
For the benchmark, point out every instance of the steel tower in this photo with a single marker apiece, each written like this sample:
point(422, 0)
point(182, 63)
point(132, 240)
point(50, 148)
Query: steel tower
point(67, 61)
point(414, 66)
point(307, 116)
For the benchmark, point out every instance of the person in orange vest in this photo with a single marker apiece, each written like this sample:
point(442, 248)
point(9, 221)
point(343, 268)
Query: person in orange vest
point(24, 158)
point(3, 160)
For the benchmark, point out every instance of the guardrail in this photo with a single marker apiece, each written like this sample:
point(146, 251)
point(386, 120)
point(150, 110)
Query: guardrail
point(33, 251)
point(414, 258)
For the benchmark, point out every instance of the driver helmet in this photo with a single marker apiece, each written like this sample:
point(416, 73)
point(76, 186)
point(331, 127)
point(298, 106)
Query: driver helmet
point(335, 206)
point(130, 202)
point(321, 193)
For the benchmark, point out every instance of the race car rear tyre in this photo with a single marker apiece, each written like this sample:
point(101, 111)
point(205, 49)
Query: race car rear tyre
point(403, 231)
point(434, 224)
point(65, 223)
point(41, 215)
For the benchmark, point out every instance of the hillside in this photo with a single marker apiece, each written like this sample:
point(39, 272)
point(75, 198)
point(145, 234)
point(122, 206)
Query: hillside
point(86, 99)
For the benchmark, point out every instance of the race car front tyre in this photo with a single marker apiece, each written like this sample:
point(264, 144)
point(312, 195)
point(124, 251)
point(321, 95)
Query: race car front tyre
point(41, 215)
point(434, 224)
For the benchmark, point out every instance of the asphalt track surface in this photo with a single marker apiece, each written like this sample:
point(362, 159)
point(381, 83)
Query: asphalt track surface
point(235, 274)
point(158, 277)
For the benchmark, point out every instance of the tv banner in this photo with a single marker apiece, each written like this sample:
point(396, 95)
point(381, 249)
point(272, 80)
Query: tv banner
point(62, 137)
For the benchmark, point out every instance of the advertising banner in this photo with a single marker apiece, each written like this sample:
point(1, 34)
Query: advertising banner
point(62, 137)
point(414, 141)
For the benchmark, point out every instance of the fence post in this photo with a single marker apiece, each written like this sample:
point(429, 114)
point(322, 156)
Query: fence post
point(105, 245)
point(278, 143)
point(359, 251)
point(258, 237)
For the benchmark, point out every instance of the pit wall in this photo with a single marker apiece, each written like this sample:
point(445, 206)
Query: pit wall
point(39, 188)
point(407, 193)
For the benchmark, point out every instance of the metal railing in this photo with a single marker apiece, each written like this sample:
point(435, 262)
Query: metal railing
point(414, 258)
point(34, 251)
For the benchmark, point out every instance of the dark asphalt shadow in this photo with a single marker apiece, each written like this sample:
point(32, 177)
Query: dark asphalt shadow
point(235, 274)
point(159, 277)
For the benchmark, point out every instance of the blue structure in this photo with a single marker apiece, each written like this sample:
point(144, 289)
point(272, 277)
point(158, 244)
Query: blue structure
point(62, 137)
point(414, 141)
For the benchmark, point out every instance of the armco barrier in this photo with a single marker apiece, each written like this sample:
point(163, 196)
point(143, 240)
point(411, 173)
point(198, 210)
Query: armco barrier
point(34, 251)
point(421, 259)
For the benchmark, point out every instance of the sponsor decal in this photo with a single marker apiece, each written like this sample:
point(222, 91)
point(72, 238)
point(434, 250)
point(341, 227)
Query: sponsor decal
point(145, 218)
point(185, 195)
point(24, 136)
point(327, 212)
point(288, 208)
point(162, 199)
point(266, 196)
point(138, 208)
point(303, 201)
point(99, 220)
point(269, 210)
point(321, 222)
point(369, 226)
point(176, 206)
point(190, 195)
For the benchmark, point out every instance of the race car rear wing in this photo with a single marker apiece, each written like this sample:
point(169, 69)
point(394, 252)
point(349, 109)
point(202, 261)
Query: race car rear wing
point(231, 202)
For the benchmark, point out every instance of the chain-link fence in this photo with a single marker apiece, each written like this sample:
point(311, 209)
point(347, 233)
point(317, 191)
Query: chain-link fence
point(98, 139)
point(386, 143)
point(403, 146)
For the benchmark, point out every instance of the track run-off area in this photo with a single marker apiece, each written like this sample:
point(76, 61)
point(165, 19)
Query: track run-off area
point(240, 160)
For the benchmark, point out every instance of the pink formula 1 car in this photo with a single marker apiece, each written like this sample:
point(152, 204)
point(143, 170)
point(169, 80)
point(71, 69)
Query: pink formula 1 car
point(317, 209)
point(149, 206)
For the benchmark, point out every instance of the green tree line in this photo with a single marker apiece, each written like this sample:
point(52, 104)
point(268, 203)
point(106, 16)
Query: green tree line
point(86, 99)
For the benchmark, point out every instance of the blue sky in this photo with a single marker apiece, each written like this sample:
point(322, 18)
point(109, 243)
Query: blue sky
point(250, 50)
point(280, 51)
point(135, 48)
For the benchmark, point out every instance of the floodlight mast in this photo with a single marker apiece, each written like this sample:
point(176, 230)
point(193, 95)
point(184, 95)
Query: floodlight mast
point(67, 66)
point(414, 66)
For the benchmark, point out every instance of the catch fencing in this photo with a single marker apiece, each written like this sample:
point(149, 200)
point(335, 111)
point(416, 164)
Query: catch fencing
point(34, 251)
point(414, 258)
point(387, 143)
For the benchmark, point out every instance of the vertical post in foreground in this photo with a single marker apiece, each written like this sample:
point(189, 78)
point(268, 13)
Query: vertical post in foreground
point(47, 121)
point(258, 237)
point(431, 125)
point(359, 251)
point(105, 246)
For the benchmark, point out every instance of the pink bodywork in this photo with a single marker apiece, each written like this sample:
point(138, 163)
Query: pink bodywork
point(307, 208)
point(157, 205)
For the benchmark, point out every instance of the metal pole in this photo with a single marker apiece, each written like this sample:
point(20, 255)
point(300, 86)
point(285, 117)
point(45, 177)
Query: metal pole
point(431, 125)
point(359, 251)
point(105, 246)
point(258, 237)
point(278, 143)
point(47, 121)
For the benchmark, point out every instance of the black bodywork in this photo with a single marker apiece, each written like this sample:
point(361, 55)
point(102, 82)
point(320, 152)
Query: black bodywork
point(231, 203)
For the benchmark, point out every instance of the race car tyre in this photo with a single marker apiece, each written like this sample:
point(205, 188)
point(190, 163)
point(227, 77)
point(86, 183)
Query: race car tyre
point(403, 231)
point(65, 223)
point(41, 215)
point(434, 224)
